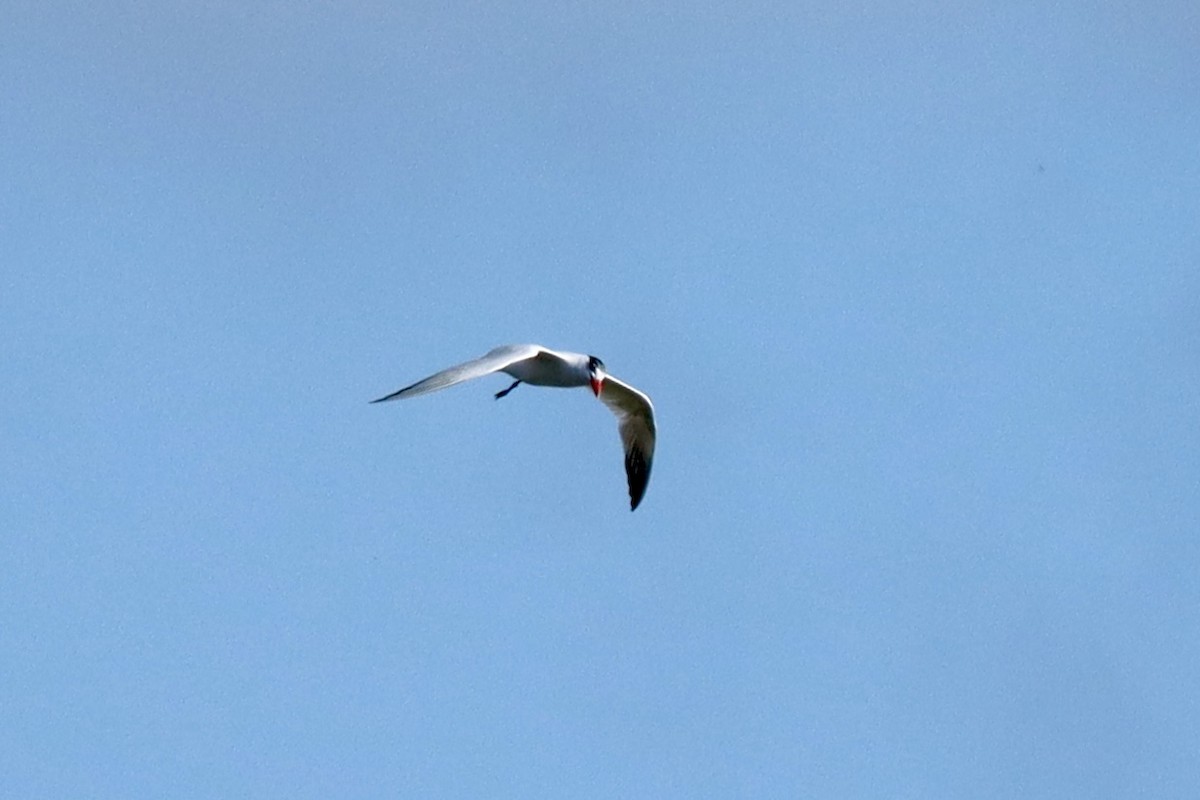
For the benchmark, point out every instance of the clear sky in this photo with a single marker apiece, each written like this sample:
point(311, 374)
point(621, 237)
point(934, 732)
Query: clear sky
point(915, 288)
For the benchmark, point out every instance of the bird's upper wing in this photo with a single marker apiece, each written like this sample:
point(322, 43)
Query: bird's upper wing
point(494, 361)
point(635, 420)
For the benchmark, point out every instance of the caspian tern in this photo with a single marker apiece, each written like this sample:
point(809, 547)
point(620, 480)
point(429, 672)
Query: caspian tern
point(539, 366)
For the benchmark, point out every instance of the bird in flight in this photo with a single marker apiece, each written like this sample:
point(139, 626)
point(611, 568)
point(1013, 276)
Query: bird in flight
point(540, 366)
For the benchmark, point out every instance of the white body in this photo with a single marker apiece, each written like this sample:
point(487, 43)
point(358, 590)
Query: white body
point(548, 368)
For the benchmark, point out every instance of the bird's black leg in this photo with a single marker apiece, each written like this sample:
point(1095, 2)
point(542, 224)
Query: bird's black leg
point(506, 391)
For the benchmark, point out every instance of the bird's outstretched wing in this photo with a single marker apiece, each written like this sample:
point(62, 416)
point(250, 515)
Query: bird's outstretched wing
point(635, 420)
point(496, 360)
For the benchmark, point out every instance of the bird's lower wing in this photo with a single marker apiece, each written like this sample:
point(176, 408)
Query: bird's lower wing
point(635, 420)
point(494, 361)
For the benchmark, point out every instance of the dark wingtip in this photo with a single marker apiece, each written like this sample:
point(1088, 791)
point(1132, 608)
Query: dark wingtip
point(386, 397)
point(637, 470)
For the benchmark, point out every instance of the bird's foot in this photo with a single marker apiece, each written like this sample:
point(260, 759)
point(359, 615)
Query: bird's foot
point(506, 391)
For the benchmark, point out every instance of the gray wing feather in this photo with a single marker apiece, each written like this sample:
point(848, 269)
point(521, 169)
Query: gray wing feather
point(494, 361)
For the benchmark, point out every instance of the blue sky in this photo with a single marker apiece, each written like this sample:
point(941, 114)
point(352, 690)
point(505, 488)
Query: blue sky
point(913, 288)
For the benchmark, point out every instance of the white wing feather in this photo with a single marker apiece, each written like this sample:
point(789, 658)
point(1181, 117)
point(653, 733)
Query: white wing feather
point(495, 361)
point(635, 421)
